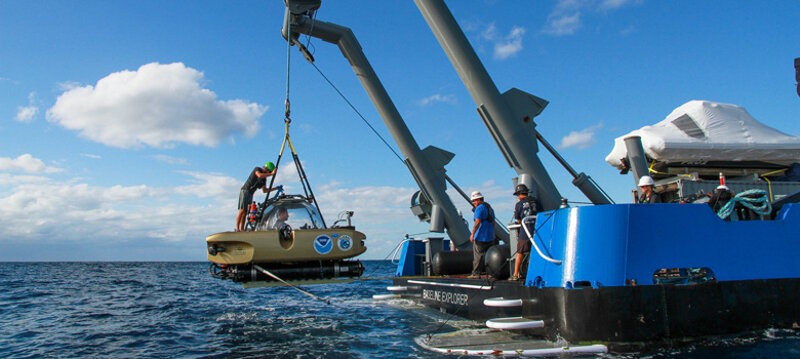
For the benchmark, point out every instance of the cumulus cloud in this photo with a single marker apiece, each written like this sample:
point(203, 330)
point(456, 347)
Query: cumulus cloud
point(381, 212)
point(73, 211)
point(580, 139)
point(70, 211)
point(26, 163)
point(504, 46)
point(157, 105)
point(437, 98)
point(209, 185)
point(27, 113)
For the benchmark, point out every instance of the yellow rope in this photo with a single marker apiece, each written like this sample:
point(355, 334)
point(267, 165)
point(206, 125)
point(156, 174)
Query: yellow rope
point(769, 186)
point(769, 183)
point(651, 170)
point(287, 139)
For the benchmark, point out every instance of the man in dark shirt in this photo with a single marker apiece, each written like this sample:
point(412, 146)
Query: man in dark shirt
point(526, 206)
point(648, 196)
point(257, 179)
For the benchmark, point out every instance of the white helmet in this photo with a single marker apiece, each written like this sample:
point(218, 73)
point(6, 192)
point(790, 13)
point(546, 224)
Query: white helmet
point(476, 195)
point(646, 181)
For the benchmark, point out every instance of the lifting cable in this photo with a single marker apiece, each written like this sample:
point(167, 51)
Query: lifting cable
point(309, 193)
point(357, 112)
point(346, 100)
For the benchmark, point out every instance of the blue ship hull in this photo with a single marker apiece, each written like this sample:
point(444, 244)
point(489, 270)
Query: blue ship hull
point(613, 245)
point(638, 273)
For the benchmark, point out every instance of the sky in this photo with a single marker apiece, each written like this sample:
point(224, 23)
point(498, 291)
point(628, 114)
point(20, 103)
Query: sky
point(128, 127)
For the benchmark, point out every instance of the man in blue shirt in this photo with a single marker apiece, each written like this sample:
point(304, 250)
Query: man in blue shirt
point(482, 236)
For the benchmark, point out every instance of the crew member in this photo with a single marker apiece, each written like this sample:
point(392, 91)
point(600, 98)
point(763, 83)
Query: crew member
point(526, 206)
point(282, 217)
point(482, 236)
point(257, 179)
point(648, 196)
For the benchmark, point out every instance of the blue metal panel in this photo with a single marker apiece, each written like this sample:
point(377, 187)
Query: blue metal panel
point(407, 265)
point(605, 245)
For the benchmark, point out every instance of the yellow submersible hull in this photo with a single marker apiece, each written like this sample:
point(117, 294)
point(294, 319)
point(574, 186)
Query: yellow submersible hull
point(272, 246)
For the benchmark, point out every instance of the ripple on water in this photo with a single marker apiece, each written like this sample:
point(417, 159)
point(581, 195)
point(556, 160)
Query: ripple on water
point(157, 310)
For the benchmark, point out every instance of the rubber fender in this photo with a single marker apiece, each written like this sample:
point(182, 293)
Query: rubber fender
point(447, 263)
point(496, 260)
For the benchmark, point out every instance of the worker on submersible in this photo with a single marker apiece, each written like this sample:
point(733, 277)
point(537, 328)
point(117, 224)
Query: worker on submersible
point(256, 180)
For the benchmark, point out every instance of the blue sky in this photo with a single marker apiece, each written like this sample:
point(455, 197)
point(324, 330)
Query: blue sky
point(127, 127)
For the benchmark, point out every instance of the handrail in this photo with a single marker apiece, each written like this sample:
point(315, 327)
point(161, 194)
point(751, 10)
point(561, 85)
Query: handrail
point(397, 249)
point(530, 236)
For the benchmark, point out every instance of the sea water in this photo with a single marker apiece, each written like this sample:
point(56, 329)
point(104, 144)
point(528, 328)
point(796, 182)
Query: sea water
point(170, 310)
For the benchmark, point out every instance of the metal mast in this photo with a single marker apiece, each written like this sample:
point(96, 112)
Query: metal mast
point(427, 166)
point(508, 116)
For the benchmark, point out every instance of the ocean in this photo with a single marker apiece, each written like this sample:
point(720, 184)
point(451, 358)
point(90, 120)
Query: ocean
point(176, 310)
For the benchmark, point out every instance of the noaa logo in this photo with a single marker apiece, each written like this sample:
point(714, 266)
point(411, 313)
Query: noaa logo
point(323, 244)
point(345, 243)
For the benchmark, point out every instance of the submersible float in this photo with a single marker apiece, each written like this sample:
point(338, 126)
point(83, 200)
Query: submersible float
point(301, 249)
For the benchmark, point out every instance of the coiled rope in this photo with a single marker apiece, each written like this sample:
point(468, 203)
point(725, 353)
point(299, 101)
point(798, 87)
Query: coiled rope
point(754, 199)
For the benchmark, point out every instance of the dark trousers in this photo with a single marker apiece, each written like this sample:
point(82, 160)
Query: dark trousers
point(478, 250)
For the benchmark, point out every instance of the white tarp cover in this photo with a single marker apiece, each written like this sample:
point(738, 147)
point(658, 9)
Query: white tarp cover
point(702, 131)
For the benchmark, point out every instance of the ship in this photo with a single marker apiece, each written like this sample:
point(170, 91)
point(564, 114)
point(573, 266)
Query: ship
point(601, 276)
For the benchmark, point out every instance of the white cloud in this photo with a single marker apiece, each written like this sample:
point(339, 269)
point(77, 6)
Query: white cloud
point(381, 212)
point(504, 47)
point(210, 185)
point(6, 79)
point(26, 163)
point(430, 100)
point(511, 45)
point(64, 211)
point(91, 155)
point(614, 4)
point(68, 211)
point(580, 139)
point(171, 160)
point(27, 113)
point(566, 17)
point(8, 180)
point(374, 205)
point(490, 33)
point(157, 105)
point(68, 85)
point(563, 24)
